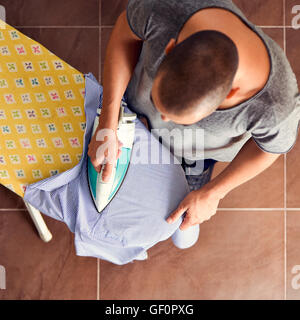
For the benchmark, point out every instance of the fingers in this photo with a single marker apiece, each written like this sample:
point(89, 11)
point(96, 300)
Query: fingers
point(187, 222)
point(108, 166)
point(107, 172)
point(176, 214)
point(104, 147)
point(97, 159)
point(119, 153)
point(119, 149)
point(98, 168)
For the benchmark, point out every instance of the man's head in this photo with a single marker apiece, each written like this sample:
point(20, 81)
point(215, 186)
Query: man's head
point(195, 77)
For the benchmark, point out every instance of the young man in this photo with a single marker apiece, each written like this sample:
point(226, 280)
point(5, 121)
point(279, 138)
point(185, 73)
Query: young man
point(202, 64)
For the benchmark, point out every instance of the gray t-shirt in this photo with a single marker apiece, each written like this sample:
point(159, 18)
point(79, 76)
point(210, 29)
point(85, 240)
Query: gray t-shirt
point(270, 117)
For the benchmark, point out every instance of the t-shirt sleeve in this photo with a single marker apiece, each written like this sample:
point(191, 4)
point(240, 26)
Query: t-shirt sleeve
point(278, 137)
point(138, 13)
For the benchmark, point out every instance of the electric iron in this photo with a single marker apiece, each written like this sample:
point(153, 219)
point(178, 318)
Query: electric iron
point(103, 192)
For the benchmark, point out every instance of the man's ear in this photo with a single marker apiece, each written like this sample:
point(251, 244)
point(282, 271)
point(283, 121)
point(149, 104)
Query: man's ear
point(170, 46)
point(232, 92)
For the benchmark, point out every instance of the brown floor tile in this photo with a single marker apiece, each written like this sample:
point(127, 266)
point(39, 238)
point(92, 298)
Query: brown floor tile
point(262, 13)
point(267, 12)
point(78, 47)
point(293, 177)
point(38, 270)
point(275, 34)
point(293, 47)
point(105, 35)
point(290, 4)
point(10, 200)
point(239, 255)
point(111, 10)
point(293, 255)
point(293, 167)
point(264, 191)
point(52, 12)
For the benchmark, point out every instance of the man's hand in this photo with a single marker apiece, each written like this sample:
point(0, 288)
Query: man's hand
point(104, 149)
point(202, 204)
point(199, 205)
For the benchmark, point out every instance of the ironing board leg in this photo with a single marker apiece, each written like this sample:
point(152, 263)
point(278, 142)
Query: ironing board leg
point(39, 222)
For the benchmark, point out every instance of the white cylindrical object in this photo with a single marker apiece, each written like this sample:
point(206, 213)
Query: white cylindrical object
point(39, 222)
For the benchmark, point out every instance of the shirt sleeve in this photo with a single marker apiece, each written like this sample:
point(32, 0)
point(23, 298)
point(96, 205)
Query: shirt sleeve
point(279, 137)
point(138, 13)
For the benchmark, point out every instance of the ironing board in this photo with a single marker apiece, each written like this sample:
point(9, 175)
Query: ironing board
point(42, 118)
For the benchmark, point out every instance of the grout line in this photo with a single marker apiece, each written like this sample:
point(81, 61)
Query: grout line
point(281, 27)
point(111, 26)
point(100, 12)
point(67, 27)
point(285, 231)
point(100, 40)
point(99, 56)
point(12, 209)
point(271, 27)
point(284, 173)
point(284, 30)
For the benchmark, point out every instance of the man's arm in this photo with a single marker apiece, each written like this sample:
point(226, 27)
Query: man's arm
point(202, 204)
point(248, 163)
point(121, 57)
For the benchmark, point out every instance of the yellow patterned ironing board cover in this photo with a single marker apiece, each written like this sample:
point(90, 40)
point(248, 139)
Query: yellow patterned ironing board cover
point(42, 118)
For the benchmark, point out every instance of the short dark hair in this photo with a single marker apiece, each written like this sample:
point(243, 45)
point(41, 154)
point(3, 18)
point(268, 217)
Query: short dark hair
point(199, 71)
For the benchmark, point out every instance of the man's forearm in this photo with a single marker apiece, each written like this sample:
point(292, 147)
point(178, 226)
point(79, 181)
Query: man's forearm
point(249, 162)
point(121, 57)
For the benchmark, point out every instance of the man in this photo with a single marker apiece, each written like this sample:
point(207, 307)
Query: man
point(202, 64)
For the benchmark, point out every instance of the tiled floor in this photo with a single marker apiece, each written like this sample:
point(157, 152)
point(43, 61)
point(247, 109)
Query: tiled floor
point(248, 250)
